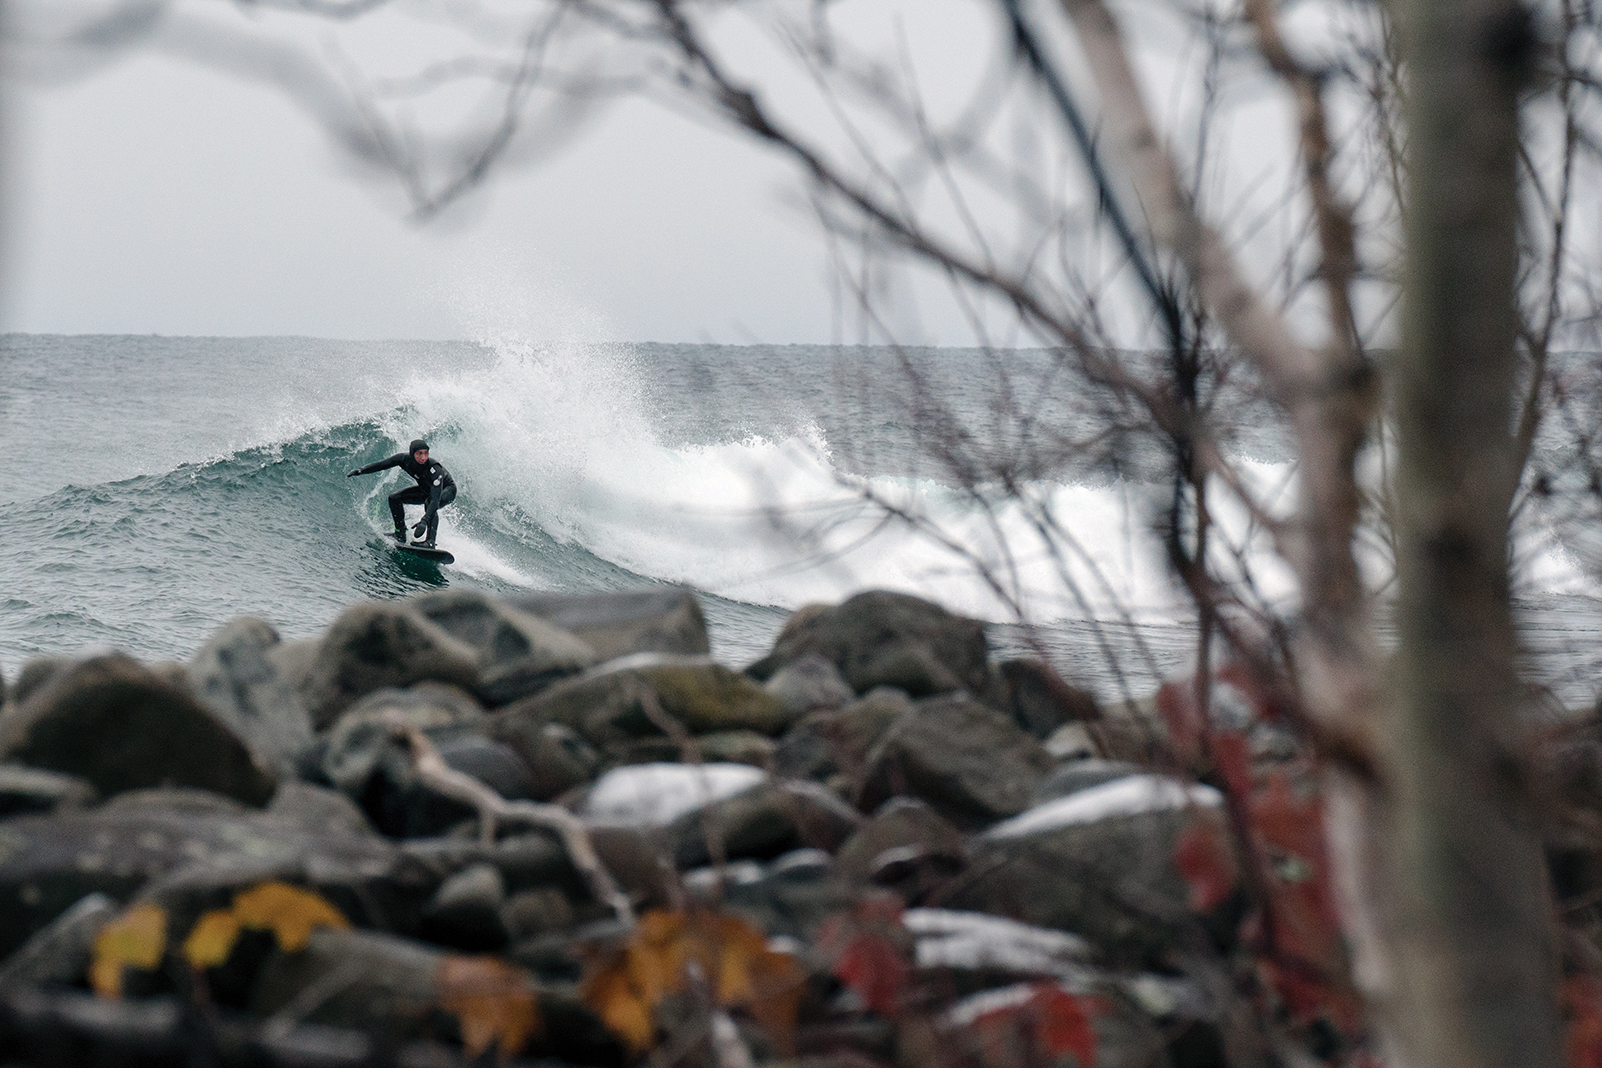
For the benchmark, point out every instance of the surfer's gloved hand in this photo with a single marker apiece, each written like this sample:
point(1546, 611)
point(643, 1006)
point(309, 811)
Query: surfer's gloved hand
point(417, 531)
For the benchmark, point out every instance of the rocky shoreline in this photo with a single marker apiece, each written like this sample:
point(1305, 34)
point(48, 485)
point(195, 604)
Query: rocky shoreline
point(930, 845)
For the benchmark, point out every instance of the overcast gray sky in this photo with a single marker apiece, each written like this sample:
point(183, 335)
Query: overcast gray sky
point(156, 196)
point(149, 194)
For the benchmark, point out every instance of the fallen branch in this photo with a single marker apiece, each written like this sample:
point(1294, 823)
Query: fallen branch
point(492, 808)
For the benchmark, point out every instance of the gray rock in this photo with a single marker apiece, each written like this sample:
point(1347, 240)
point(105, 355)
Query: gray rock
point(525, 861)
point(719, 747)
point(183, 800)
point(425, 705)
point(971, 763)
point(557, 757)
point(115, 724)
point(906, 846)
point(374, 981)
point(1037, 698)
point(24, 789)
point(35, 673)
point(838, 743)
point(49, 862)
point(490, 762)
point(317, 808)
point(1098, 863)
point(607, 703)
point(886, 639)
point(232, 676)
point(59, 952)
point(809, 684)
point(293, 662)
point(617, 624)
point(373, 646)
point(792, 895)
point(773, 818)
point(519, 654)
point(532, 913)
point(1076, 775)
point(465, 912)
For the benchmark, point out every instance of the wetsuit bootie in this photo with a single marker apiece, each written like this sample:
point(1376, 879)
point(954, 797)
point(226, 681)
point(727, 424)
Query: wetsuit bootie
point(399, 534)
point(429, 544)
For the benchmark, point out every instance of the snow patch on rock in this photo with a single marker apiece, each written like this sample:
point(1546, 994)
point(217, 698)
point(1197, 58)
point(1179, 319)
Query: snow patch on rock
point(654, 795)
point(1128, 796)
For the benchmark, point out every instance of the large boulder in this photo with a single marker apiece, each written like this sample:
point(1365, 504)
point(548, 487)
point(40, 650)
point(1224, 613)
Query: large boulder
point(233, 677)
point(519, 654)
point(608, 704)
point(109, 720)
point(1098, 863)
point(374, 646)
point(617, 624)
point(886, 639)
point(49, 862)
point(968, 761)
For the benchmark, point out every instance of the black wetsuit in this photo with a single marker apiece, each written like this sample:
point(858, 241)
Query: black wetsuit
point(434, 490)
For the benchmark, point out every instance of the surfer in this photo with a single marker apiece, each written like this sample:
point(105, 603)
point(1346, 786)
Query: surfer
point(434, 490)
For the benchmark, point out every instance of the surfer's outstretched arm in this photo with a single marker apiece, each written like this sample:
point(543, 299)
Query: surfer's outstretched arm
point(381, 465)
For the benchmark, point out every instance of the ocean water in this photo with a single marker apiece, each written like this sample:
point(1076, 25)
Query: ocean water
point(161, 486)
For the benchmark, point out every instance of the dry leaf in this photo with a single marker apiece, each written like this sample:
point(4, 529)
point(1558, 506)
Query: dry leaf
point(289, 912)
point(725, 952)
point(212, 939)
point(492, 1001)
point(620, 1006)
point(137, 939)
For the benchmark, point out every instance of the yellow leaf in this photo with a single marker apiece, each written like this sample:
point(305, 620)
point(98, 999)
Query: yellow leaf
point(492, 1001)
point(289, 912)
point(137, 939)
point(619, 1005)
point(212, 939)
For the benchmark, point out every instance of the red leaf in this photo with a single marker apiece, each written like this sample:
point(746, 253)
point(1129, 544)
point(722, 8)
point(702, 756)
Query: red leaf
point(1292, 829)
point(873, 967)
point(1055, 1022)
point(1207, 865)
point(1583, 998)
point(869, 955)
point(1063, 1024)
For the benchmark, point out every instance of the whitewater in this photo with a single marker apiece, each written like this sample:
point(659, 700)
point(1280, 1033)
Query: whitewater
point(165, 485)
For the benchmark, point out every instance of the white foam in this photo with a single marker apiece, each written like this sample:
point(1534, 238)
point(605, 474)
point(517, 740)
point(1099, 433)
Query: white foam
point(1128, 796)
point(654, 795)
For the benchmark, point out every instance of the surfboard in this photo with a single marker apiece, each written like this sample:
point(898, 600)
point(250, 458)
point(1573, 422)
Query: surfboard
point(439, 556)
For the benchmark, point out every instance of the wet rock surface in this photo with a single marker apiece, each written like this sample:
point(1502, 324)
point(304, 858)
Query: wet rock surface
point(114, 723)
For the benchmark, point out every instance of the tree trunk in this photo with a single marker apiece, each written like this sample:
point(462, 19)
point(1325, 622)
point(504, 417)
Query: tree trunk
point(1472, 940)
